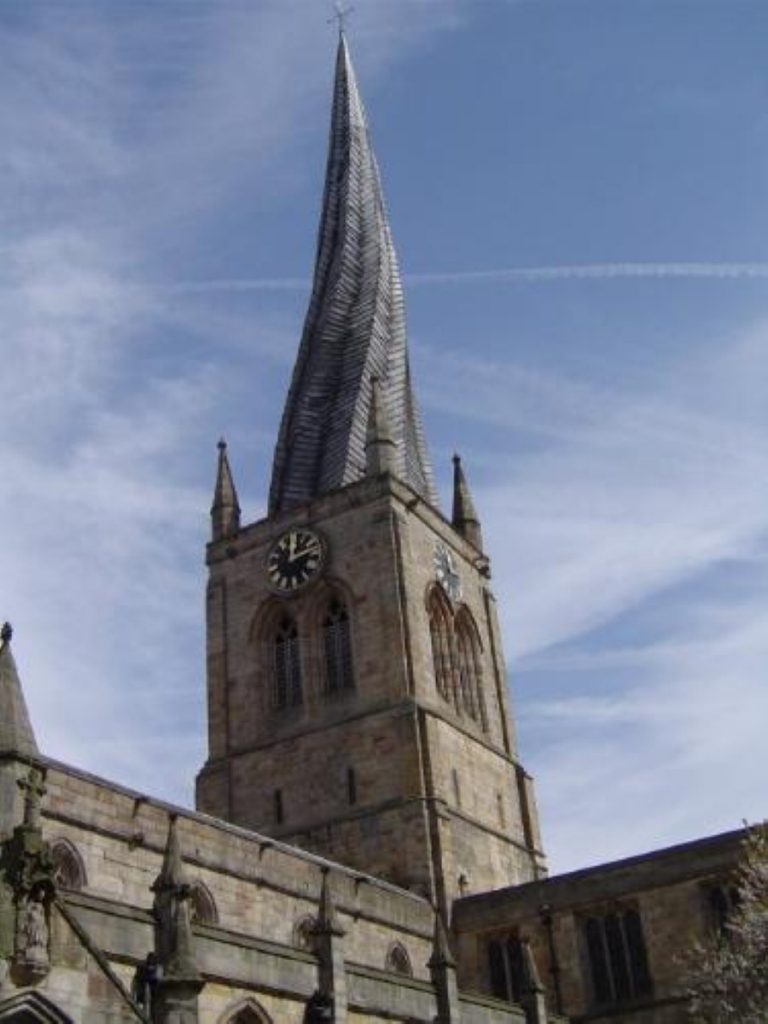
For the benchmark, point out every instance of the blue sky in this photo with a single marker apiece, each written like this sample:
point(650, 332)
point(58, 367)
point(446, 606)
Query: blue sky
point(578, 194)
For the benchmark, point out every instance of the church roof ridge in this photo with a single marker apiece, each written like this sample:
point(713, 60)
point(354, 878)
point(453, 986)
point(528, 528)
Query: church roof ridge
point(354, 328)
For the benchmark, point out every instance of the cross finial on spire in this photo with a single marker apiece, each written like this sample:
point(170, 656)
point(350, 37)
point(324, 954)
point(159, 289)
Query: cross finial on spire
point(340, 14)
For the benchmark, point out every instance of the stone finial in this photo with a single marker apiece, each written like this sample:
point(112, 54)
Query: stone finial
point(175, 941)
point(380, 447)
point(16, 734)
point(225, 510)
point(465, 519)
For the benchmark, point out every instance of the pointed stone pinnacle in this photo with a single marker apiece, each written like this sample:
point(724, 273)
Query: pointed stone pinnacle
point(175, 940)
point(354, 329)
point(465, 519)
point(172, 875)
point(225, 510)
point(16, 734)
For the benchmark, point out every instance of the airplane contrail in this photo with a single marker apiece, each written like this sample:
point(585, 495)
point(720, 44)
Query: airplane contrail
point(557, 272)
point(598, 271)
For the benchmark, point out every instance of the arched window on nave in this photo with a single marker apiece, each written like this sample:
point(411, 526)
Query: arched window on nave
point(202, 906)
point(68, 868)
point(398, 961)
point(248, 1013)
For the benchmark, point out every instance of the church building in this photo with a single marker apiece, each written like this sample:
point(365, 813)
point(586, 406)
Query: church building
point(365, 845)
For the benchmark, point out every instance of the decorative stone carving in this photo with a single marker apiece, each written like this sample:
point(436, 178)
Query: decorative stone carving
point(34, 790)
point(32, 934)
point(27, 872)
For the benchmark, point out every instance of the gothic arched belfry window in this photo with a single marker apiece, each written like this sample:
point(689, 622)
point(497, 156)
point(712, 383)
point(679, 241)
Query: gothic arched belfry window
point(440, 632)
point(286, 664)
point(337, 647)
point(469, 667)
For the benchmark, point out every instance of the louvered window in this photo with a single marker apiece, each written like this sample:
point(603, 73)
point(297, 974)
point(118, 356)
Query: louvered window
point(440, 634)
point(469, 668)
point(337, 647)
point(286, 665)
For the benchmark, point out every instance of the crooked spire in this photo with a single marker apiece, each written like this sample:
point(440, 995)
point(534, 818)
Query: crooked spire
point(354, 329)
point(16, 735)
point(225, 510)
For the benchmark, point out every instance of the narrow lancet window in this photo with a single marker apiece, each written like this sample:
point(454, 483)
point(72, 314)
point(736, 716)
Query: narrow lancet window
point(337, 648)
point(286, 665)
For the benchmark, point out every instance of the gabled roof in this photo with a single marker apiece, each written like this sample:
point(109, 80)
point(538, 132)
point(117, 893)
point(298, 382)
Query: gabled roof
point(354, 329)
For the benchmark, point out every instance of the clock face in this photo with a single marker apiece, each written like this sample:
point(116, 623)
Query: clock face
point(446, 572)
point(294, 559)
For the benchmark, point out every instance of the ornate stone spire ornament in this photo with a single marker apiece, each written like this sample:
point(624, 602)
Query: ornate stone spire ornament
point(465, 519)
point(354, 330)
point(225, 510)
point(179, 982)
point(16, 735)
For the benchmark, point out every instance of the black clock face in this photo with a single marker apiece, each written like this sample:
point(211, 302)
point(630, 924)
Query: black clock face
point(294, 559)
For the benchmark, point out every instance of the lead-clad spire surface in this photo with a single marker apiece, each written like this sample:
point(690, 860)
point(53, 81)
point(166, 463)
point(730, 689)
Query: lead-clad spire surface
point(354, 329)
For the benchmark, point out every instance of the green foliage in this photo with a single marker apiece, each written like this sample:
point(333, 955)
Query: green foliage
point(728, 980)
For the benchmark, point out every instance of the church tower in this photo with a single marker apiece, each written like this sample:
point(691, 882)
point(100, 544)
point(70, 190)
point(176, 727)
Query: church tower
point(357, 694)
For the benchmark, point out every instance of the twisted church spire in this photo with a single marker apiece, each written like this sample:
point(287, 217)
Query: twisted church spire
point(354, 329)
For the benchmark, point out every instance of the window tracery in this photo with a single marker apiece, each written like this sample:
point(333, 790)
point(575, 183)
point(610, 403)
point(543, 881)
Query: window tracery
point(617, 956)
point(440, 633)
point(456, 657)
point(469, 667)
